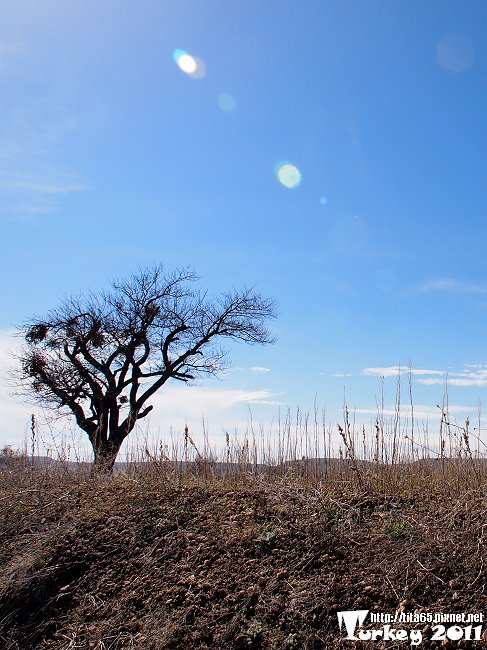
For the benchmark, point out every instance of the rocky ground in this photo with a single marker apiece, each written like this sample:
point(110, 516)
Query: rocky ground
point(158, 562)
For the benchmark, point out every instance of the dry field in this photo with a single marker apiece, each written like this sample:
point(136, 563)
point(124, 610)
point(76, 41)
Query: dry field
point(171, 556)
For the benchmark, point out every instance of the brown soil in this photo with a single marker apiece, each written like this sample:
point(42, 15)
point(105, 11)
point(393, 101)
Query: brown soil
point(156, 563)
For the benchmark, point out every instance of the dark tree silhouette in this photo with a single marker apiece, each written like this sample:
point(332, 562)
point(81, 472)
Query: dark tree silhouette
point(101, 357)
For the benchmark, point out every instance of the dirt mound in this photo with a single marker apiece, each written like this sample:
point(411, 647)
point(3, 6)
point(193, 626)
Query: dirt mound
point(148, 563)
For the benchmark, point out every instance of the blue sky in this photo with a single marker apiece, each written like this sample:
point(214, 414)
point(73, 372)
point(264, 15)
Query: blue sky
point(113, 157)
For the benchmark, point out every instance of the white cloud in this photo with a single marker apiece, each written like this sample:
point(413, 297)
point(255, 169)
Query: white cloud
point(33, 132)
point(222, 408)
point(35, 194)
point(452, 286)
point(43, 186)
point(260, 369)
point(28, 209)
point(421, 411)
point(342, 374)
point(394, 371)
point(454, 382)
point(15, 415)
point(479, 374)
point(174, 406)
point(194, 400)
point(390, 371)
point(428, 377)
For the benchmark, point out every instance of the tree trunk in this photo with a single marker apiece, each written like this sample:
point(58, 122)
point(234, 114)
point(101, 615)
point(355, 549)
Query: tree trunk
point(105, 456)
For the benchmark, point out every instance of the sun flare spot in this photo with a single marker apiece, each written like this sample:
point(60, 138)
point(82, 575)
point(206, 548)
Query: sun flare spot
point(190, 65)
point(187, 64)
point(455, 53)
point(288, 175)
point(177, 54)
point(227, 103)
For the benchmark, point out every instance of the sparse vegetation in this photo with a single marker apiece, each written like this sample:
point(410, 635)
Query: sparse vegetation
point(245, 553)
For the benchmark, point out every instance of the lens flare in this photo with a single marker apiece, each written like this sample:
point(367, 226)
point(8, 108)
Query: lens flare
point(288, 175)
point(323, 200)
point(177, 54)
point(190, 65)
point(455, 53)
point(227, 102)
point(187, 64)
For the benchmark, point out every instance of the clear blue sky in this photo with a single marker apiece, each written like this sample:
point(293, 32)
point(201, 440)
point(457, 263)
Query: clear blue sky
point(112, 157)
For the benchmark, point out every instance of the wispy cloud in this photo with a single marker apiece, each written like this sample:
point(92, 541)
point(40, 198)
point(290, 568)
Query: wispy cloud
point(260, 369)
point(454, 382)
point(343, 374)
point(28, 209)
point(463, 378)
point(177, 404)
point(394, 371)
point(203, 400)
point(15, 415)
point(421, 411)
point(28, 195)
point(33, 131)
point(43, 186)
point(450, 285)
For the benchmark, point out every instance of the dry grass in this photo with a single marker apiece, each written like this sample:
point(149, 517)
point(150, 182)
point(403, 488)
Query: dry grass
point(257, 546)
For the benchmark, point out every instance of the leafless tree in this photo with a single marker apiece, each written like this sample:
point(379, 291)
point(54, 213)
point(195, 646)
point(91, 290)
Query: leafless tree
point(101, 357)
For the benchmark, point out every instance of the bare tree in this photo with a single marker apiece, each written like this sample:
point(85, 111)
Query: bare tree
point(101, 357)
